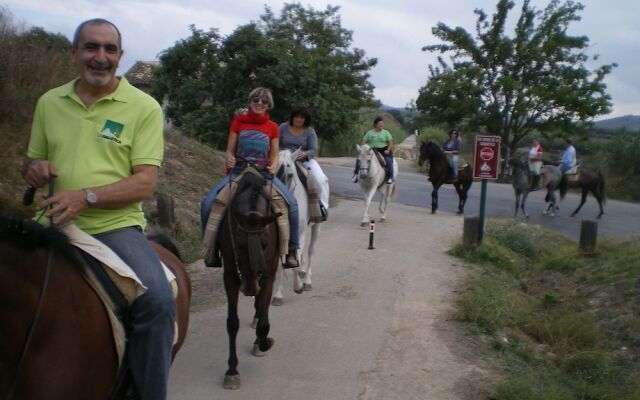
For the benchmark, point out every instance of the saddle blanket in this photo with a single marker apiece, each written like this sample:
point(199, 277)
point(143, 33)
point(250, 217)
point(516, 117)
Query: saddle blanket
point(123, 277)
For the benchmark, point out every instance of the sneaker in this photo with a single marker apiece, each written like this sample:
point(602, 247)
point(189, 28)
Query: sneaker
point(291, 260)
point(389, 181)
point(354, 179)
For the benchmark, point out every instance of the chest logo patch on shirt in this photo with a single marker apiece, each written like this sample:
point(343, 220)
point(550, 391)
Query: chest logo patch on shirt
point(111, 130)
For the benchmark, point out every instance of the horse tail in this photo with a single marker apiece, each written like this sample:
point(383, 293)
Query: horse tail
point(563, 186)
point(601, 188)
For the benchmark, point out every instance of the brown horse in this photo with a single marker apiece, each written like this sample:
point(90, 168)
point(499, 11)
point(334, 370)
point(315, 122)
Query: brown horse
point(248, 241)
point(56, 340)
point(440, 173)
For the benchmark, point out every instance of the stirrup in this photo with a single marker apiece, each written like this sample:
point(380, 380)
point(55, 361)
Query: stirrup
point(291, 260)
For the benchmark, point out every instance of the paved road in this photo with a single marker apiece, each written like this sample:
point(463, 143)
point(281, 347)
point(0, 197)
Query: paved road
point(620, 219)
point(378, 324)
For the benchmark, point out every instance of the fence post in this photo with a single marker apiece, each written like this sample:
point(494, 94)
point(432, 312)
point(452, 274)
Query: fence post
point(166, 214)
point(588, 236)
point(471, 233)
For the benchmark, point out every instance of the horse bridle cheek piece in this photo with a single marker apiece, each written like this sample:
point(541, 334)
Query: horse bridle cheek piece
point(34, 323)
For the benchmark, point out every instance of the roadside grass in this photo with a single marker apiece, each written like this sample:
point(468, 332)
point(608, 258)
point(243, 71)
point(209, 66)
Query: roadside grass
point(564, 326)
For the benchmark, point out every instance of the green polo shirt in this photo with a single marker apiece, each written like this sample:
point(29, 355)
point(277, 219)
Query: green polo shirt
point(377, 139)
point(98, 145)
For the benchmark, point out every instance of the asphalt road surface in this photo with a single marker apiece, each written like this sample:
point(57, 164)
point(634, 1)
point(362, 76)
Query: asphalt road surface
point(620, 219)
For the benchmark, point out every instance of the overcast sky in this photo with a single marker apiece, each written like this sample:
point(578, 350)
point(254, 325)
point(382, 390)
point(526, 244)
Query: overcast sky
point(391, 31)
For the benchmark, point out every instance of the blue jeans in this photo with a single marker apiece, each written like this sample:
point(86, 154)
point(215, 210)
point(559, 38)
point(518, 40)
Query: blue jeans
point(455, 159)
point(153, 313)
point(207, 202)
point(388, 159)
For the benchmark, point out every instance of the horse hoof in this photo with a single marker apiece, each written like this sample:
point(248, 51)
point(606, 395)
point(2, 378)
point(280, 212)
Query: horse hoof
point(383, 220)
point(363, 224)
point(259, 353)
point(276, 301)
point(302, 274)
point(232, 382)
point(254, 323)
point(306, 287)
point(299, 291)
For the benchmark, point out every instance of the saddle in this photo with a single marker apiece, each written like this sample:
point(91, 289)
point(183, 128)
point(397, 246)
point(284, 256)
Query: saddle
point(573, 174)
point(115, 283)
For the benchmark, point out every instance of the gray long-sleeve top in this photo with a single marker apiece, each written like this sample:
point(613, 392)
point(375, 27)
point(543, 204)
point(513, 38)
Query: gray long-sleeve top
point(308, 141)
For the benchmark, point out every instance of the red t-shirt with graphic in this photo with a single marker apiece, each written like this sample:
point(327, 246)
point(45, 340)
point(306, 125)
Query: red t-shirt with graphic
point(255, 133)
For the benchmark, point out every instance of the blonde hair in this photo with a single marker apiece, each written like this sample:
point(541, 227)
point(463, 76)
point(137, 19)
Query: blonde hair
point(261, 93)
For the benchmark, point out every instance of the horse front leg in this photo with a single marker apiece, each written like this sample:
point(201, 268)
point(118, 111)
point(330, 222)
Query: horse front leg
point(515, 214)
point(384, 201)
point(367, 203)
point(434, 199)
point(232, 377)
point(263, 343)
point(524, 198)
point(277, 297)
point(462, 198)
point(305, 274)
point(582, 201)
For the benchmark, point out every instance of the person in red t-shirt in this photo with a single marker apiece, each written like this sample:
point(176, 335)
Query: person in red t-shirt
point(253, 138)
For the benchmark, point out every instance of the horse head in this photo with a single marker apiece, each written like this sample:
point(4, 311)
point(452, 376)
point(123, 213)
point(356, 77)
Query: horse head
point(252, 235)
point(427, 151)
point(365, 155)
point(286, 166)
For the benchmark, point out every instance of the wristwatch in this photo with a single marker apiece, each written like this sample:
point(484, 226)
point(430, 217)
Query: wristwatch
point(91, 197)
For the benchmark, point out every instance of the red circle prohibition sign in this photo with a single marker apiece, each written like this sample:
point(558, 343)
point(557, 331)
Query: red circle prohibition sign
point(486, 153)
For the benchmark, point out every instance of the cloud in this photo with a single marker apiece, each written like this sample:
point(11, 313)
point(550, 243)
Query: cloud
point(392, 32)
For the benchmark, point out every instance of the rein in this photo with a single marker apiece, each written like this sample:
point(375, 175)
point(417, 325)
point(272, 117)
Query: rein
point(34, 323)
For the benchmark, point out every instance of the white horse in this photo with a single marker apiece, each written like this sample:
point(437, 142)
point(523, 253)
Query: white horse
point(372, 178)
point(308, 232)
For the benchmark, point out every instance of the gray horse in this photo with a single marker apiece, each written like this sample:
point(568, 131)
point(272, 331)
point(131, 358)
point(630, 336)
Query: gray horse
point(520, 183)
point(552, 179)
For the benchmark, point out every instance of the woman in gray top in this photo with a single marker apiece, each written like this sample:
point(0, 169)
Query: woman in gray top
point(299, 134)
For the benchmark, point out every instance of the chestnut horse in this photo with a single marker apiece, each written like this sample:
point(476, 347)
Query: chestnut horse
point(248, 241)
point(56, 339)
point(440, 173)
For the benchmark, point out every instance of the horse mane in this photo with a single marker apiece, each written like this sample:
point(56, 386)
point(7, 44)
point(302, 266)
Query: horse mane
point(164, 241)
point(30, 235)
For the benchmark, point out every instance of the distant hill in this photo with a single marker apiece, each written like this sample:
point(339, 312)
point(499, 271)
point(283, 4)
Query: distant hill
point(631, 122)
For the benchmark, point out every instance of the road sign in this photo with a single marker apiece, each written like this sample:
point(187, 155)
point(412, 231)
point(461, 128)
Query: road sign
point(486, 157)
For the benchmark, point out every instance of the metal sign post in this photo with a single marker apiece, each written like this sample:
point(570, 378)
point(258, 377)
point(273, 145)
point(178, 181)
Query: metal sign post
point(485, 166)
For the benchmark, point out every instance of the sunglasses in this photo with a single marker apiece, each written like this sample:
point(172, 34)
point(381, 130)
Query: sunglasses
point(260, 101)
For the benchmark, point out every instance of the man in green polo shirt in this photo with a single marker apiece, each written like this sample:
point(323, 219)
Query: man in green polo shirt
point(101, 140)
point(380, 140)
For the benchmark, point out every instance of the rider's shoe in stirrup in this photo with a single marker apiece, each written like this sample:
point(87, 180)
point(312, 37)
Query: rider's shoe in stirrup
point(291, 260)
point(354, 179)
point(389, 181)
point(216, 262)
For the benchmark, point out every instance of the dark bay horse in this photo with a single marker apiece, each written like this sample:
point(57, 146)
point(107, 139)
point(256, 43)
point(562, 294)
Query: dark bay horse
point(589, 180)
point(520, 183)
point(248, 241)
point(56, 340)
point(440, 173)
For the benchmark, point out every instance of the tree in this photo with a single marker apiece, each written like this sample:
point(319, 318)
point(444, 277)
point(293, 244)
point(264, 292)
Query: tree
point(302, 55)
point(535, 81)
